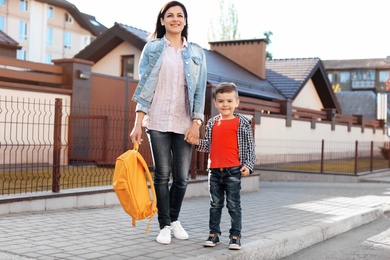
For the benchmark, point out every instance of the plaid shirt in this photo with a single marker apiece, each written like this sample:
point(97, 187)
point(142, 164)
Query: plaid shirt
point(246, 143)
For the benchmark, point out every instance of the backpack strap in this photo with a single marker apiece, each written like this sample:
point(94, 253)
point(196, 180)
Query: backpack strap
point(150, 179)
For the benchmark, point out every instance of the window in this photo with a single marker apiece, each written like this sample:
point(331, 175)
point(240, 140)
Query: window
point(330, 77)
point(67, 40)
point(49, 36)
point(128, 66)
point(2, 2)
point(22, 30)
point(2, 23)
point(50, 12)
point(87, 40)
point(344, 77)
point(21, 54)
point(48, 58)
point(68, 18)
point(384, 75)
point(23, 5)
point(363, 78)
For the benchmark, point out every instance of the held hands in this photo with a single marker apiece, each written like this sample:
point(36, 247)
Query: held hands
point(192, 134)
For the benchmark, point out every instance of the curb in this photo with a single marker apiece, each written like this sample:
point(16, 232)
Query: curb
point(287, 243)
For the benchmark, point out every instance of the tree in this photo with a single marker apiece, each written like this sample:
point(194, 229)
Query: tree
point(228, 23)
point(268, 35)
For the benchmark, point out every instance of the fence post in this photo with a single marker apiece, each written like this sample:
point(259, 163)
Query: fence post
point(356, 157)
point(331, 116)
point(286, 109)
point(387, 146)
point(322, 155)
point(371, 156)
point(57, 145)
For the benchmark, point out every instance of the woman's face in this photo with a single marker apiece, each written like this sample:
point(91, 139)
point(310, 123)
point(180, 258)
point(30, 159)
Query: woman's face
point(174, 20)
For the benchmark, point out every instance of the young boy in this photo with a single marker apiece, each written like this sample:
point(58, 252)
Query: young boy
point(229, 142)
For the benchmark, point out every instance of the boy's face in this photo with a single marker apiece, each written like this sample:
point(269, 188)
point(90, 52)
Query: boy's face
point(226, 103)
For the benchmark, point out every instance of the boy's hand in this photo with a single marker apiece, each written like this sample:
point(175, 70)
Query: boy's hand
point(244, 171)
point(192, 134)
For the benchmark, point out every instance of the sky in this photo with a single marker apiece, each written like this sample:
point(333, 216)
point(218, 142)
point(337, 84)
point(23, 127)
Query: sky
point(329, 30)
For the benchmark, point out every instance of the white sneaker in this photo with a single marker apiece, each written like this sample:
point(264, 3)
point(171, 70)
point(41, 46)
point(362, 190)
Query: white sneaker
point(165, 235)
point(178, 231)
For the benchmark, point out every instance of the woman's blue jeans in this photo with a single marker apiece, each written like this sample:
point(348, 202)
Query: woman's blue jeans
point(171, 153)
point(225, 181)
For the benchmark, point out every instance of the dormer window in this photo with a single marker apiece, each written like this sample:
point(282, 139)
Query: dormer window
point(68, 18)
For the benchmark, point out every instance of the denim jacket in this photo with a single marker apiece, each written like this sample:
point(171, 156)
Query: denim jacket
point(195, 73)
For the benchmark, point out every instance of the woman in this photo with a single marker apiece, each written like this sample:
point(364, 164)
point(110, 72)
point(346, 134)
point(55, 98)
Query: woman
point(170, 100)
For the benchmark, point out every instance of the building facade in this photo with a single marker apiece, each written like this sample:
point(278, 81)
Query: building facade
point(47, 29)
point(359, 74)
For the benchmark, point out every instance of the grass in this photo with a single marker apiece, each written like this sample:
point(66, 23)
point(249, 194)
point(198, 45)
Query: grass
point(19, 181)
point(37, 180)
point(343, 167)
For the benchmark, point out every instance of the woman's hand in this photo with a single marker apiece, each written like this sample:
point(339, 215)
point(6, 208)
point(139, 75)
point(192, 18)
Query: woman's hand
point(192, 134)
point(136, 133)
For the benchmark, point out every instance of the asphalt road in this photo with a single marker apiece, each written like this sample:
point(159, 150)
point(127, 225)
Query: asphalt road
point(368, 242)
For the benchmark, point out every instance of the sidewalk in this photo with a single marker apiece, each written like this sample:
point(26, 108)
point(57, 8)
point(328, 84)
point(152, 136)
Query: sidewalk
point(278, 220)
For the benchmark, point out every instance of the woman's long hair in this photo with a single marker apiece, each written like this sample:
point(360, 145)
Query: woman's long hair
point(160, 30)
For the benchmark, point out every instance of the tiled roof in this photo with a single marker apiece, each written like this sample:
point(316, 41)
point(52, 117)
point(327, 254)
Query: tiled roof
point(86, 21)
point(284, 78)
point(358, 103)
point(290, 75)
point(6, 40)
point(140, 34)
point(221, 69)
point(110, 39)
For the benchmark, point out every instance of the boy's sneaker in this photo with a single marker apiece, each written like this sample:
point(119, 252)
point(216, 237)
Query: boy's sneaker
point(235, 243)
point(165, 235)
point(212, 240)
point(178, 231)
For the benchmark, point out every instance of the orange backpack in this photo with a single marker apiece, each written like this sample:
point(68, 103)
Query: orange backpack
point(130, 185)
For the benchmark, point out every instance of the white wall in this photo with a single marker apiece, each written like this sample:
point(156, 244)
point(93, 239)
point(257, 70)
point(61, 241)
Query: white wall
point(111, 63)
point(308, 98)
point(300, 139)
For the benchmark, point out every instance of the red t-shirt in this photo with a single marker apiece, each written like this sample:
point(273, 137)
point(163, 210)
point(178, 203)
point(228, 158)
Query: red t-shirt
point(224, 144)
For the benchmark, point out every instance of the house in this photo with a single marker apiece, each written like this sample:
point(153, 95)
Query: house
point(47, 29)
point(239, 61)
point(359, 74)
point(361, 85)
point(290, 101)
point(8, 46)
point(293, 97)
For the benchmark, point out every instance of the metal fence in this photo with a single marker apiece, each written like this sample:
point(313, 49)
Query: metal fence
point(322, 156)
point(52, 145)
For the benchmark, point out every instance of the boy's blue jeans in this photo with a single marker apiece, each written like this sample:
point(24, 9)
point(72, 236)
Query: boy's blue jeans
point(171, 153)
point(225, 181)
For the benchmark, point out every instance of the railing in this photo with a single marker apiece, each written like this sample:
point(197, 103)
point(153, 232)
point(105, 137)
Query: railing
point(20, 74)
point(350, 158)
point(45, 147)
